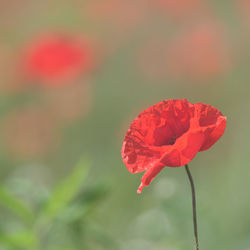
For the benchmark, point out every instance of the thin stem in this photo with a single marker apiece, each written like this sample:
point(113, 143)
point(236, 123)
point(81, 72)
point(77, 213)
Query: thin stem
point(194, 207)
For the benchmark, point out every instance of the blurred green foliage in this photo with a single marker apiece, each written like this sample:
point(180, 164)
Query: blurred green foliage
point(67, 209)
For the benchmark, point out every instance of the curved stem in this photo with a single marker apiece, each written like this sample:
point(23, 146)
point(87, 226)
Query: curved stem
point(194, 206)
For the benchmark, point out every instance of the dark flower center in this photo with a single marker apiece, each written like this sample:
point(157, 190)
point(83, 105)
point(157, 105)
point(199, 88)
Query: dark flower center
point(167, 135)
point(171, 141)
point(166, 123)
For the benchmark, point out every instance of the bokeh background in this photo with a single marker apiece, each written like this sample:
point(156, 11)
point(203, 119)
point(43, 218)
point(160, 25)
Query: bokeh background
point(73, 75)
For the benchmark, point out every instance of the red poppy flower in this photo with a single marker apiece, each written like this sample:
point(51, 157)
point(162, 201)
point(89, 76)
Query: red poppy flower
point(55, 59)
point(170, 134)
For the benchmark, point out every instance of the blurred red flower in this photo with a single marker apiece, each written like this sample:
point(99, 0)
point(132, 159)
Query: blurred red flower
point(57, 59)
point(200, 53)
point(170, 134)
point(197, 54)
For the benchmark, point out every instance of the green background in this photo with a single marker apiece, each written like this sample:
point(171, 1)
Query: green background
point(80, 195)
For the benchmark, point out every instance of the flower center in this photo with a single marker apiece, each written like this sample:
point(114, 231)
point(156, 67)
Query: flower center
point(171, 141)
point(164, 136)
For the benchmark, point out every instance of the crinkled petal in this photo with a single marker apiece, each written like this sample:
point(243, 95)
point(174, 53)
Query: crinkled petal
point(137, 156)
point(184, 150)
point(158, 125)
point(212, 123)
point(214, 133)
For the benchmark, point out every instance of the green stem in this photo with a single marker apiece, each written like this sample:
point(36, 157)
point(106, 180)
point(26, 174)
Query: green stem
point(194, 207)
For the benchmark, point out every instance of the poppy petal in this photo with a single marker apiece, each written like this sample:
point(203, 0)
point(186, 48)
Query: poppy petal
point(137, 156)
point(149, 176)
point(213, 134)
point(154, 128)
point(184, 150)
point(212, 122)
